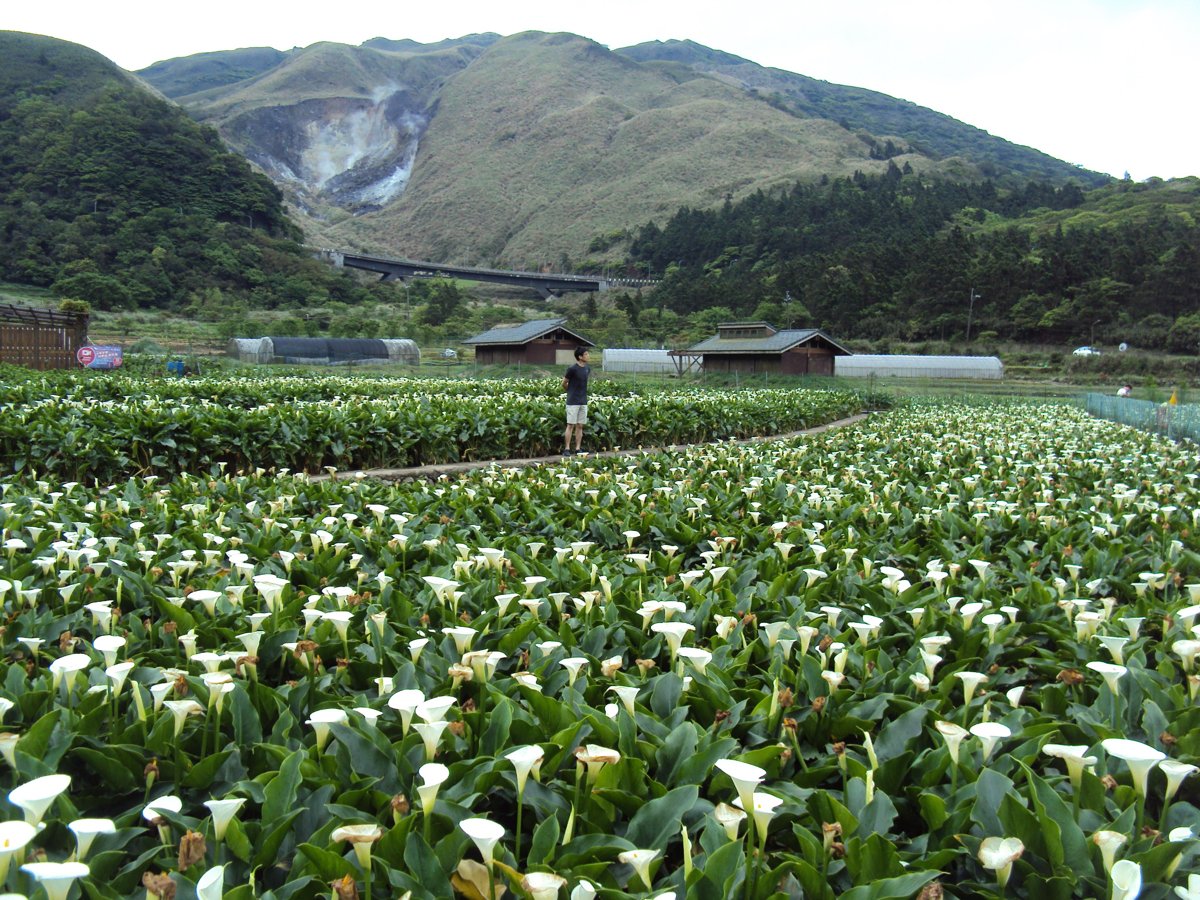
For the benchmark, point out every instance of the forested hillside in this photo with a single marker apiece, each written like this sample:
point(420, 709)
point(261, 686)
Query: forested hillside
point(900, 256)
point(113, 196)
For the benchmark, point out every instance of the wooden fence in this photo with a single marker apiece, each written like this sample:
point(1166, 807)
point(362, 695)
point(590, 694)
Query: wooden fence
point(40, 338)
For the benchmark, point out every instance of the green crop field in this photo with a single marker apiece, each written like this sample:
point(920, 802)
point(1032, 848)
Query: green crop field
point(949, 650)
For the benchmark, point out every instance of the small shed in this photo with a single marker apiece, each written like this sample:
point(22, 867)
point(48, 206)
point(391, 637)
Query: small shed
point(542, 342)
point(863, 365)
point(41, 338)
point(323, 351)
point(758, 347)
point(655, 362)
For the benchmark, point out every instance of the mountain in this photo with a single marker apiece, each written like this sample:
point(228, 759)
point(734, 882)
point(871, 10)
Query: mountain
point(337, 127)
point(409, 46)
point(926, 131)
point(192, 74)
point(536, 149)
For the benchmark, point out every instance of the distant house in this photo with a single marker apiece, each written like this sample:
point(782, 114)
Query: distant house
point(545, 342)
point(757, 347)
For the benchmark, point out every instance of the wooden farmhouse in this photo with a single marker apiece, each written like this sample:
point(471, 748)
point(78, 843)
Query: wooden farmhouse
point(545, 342)
point(757, 347)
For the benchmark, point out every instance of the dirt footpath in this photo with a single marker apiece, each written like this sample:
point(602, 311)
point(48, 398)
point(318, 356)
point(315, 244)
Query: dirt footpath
point(436, 471)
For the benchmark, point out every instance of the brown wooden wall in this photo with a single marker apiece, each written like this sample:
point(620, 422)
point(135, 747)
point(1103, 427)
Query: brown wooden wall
point(39, 346)
point(808, 360)
point(505, 355)
point(798, 361)
point(541, 352)
point(545, 351)
point(747, 364)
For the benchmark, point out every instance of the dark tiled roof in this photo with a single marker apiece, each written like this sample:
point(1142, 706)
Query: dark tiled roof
point(779, 342)
point(523, 334)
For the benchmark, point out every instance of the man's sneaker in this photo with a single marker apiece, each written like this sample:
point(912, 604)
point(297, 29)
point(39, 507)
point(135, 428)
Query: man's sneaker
point(568, 452)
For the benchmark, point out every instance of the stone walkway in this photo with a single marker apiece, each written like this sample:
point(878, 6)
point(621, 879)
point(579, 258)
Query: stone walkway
point(434, 472)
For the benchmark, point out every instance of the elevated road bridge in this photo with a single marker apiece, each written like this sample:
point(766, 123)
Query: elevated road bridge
point(544, 283)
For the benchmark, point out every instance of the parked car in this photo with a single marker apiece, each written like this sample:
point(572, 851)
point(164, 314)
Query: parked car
point(1085, 351)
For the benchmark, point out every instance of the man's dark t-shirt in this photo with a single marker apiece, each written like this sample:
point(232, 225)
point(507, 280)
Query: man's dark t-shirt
point(577, 379)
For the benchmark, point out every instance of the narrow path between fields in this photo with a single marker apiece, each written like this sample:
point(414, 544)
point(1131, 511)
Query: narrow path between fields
point(458, 468)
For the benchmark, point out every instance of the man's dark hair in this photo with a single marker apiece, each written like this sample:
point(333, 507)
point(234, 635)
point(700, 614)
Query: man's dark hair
point(579, 351)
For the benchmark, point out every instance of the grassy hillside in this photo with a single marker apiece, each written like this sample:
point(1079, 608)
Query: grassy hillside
point(409, 46)
point(330, 71)
point(928, 132)
point(203, 71)
point(534, 148)
point(545, 141)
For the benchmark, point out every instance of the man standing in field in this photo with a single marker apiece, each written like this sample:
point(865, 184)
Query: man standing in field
point(575, 383)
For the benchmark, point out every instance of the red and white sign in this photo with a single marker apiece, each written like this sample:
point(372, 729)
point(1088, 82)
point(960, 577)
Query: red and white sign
point(96, 357)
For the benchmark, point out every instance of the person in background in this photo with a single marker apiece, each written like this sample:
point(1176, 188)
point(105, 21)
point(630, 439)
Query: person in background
point(1126, 390)
point(575, 383)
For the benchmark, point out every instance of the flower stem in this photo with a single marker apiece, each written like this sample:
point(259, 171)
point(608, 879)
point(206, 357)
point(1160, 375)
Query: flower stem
point(215, 715)
point(312, 684)
point(749, 889)
point(520, 809)
point(579, 776)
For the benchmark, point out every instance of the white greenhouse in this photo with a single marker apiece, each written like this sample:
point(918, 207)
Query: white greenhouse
point(863, 365)
point(659, 362)
point(324, 351)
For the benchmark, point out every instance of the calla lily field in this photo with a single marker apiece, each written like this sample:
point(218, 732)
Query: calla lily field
point(949, 650)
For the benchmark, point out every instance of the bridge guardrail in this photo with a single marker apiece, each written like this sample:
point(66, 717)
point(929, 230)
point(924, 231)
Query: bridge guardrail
point(415, 268)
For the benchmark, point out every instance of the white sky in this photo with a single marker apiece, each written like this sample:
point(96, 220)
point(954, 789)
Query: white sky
point(1107, 84)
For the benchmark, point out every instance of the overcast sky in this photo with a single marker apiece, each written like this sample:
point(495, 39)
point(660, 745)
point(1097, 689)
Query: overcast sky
point(1106, 84)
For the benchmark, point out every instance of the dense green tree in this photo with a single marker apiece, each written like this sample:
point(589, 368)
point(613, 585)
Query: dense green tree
point(443, 297)
point(99, 291)
point(1184, 336)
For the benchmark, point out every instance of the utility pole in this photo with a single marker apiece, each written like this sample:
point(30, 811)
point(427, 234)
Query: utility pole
point(971, 312)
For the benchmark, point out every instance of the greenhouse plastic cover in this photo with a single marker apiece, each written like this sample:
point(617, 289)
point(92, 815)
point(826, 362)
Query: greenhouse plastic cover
point(901, 366)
